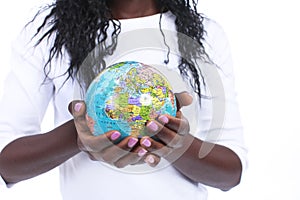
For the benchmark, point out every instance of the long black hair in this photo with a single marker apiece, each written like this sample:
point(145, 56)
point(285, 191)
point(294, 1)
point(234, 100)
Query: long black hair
point(79, 25)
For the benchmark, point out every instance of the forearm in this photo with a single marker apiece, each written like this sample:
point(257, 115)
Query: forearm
point(220, 167)
point(30, 156)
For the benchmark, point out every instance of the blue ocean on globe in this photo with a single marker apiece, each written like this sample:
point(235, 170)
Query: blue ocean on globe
point(125, 96)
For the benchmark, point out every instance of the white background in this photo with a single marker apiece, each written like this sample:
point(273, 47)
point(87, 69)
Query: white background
point(265, 41)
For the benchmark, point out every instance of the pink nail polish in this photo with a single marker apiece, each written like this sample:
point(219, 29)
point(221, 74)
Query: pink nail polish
point(152, 126)
point(150, 159)
point(77, 107)
point(163, 119)
point(132, 142)
point(142, 152)
point(146, 142)
point(115, 135)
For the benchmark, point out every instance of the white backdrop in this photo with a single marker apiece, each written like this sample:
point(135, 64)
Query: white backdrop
point(265, 41)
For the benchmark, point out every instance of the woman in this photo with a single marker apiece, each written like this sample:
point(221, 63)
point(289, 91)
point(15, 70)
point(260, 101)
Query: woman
point(93, 167)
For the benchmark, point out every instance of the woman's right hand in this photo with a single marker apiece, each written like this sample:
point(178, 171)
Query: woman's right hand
point(104, 147)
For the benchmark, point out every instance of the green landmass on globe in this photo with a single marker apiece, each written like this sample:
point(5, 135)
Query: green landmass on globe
point(125, 96)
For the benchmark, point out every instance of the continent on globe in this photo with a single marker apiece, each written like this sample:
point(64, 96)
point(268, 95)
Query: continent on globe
point(125, 96)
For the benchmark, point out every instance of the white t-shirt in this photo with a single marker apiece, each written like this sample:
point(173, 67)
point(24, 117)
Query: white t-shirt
point(25, 101)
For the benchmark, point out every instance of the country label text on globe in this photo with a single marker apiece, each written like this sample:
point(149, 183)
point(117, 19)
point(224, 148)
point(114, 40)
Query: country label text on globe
point(125, 96)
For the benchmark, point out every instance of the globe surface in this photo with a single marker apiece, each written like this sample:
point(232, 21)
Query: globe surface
point(125, 96)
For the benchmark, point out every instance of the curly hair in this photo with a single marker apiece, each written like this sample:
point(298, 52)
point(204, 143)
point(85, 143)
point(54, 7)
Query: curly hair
point(79, 25)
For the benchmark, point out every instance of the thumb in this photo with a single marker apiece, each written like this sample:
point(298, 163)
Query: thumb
point(77, 108)
point(183, 99)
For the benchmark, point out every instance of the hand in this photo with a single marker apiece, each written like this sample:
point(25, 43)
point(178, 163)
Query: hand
point(171, 133)
point(104, 147)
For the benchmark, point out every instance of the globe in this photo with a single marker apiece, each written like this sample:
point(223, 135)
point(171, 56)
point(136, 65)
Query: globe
point(125, 96)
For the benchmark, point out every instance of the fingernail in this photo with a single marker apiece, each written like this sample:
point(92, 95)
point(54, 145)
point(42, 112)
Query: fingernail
point(152, 126)
point(115, 135)
point(77, 107)
point(163, 119)
point(150, 159)
point(132, 142)
point(146, 143)
point(142, 152)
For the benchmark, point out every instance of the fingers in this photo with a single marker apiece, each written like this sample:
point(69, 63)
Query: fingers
point(98, 143)
point(152, 160)
point(116, 152)
point(169, 134)
point(136, 156)
point(178, 124)
point(107, 147)
point(155, 147)
point(124, 154)
point(88, 141)
point(168, 129)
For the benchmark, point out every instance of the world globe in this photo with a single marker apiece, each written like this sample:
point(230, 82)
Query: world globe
point(125, 96)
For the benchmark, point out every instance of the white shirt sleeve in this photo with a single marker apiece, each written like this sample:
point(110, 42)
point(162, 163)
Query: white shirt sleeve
point(26, 95)
point(220, 118)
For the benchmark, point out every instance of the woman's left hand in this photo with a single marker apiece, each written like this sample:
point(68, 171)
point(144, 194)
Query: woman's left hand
point(171, 134)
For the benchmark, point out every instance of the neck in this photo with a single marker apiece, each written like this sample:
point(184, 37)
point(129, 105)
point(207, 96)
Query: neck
point(126, 9)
